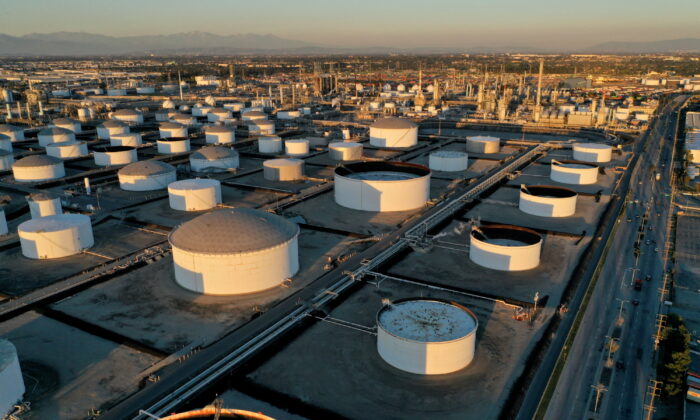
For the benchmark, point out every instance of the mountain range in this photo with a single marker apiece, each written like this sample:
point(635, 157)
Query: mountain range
point(204, 43)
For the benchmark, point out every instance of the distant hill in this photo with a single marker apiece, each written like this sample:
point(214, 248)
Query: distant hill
point(671, 45)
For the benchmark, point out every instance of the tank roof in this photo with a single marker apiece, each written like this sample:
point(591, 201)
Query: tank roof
point(413, 169)
point(255, 114)
point(193, 184)
point(548, 191)
point(233, 231)
point(427, 320)
point(126, 112)
point(169, 124)
point(54, 131)
point(595, 146)
point(276, 163)
point(218, 129)
point(54, 223)
point(449, 154)
point(146, 168)
point(393, 123)
point(213, 153)
point(506, 235)
point(36, 161)
point(64, 121)
point(113, 124)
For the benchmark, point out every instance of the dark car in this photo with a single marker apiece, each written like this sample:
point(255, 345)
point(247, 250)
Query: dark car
point(635, 302)
point(620, 365)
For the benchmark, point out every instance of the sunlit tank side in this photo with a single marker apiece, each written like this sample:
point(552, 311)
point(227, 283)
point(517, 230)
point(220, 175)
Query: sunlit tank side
point(547, 200)
point(114, 155)
point(68, 124)
point(448, 161)
point(110, 128)
point(253, 115)
point(146, 175)
point(261, 127)
point(172, 145)
point(345, 151)
point(573, 172)
point(128, 116)
point(67, 150)
point(283, 169)
point(270, 144)
point(592, 152)
point(37, 168)
point(218, 114)
point(219, 134)
point(126, 139)
point(393, 132)
point(11, 380)
point(483, 144)
point(296, 147)
point(44, 204)
point(54, 135)
point(194, 194)
point(505, 248)
point(15, 133)
point(55, 236)
point(288, 115)
point(172, 130)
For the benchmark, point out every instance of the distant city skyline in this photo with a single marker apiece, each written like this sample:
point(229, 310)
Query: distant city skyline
point(363, 23)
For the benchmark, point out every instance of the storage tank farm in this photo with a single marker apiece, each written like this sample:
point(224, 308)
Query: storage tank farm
point(505, 247)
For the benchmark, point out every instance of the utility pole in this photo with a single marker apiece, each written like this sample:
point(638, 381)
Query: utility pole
point(599, 389)
point(611, 341)
point(622, 302)
point(660, 323)
point(653, 390)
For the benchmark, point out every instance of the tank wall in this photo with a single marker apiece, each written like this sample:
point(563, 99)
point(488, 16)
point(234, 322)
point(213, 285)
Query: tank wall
point(39, 173)
point(223, 164)
point(3, 223)
point(574, 176)
point(11, 384)
point(449, 164)
point(293, 148)
point(547, 206)
point(269, 146)
point(283, 173)
point(132, 140)
point(345, 153)
point(62, 243)
point(167, 133)
point(45, 140)
point(483, 146)
point(194, 199)
point(147, 183)
point(387, 137)
point(6, 162)
point(67, 151)
point(382, 195)
point(115, 158)
point(104, 133)
point(505, 258)
point(45, 207)
point(220, 138)
point(592, 155)
point(169, 147)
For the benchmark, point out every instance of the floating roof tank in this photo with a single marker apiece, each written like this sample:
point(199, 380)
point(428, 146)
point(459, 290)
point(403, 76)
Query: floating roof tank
point(36, 168)
point(126, 139)
point(114, 155)
point(11, 380)
point(171, 129)
point(448, 161)
point(44, 204)
point(345, 151)
point(194, 194)
point(296, 147)
point(219, 134)
point(283, 169)
point(146, 175)
point(426, 336)
point(483, 144)
point(15, 133)
point(269, 144)
point(173, 145)
point(505, 248)
point(393, 132)
point(54, 135)
point(67, 150)
point(592, 152)
point(68, 124)
point(382, 186)
point(214, 159)
point(573, 172)
point(547, 200)
point(235, 251)
point(55, 236)
point(128, 116)
point(110, 128)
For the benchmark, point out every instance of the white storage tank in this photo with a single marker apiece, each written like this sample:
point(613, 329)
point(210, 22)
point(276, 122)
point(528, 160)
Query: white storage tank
point(483, 144)
point(168, 104)
point(296, 147)
point(44, 204)
point(183, 119)
point(426, 336)
point(67, 150)
point(345, 151)
point(214, 159)
point(163, 115)
point(288, 115)
point(573, 172)
point(114, 155)
point(171, 129)
point(234, 106)
point(173, 145)
point(283, 169)
point(129, 116)
point(55, 236)
point(68, 124)
point(110, 128)
point(235, 251)
point(219, 134)
point(37, 168)
point(448, 161)
point(85, 114)
point(218, 114)
point(200, 111)
point(547, 200)
point(11, 380)
point(6, 160)
point(126, 139)
point(15, 133)
point(253, 116)
point(262, 127)
point(505, 248)
point(194, 194)
point(592, 152)
point(382, 186)
point(5, 143)
point(54, 135)
point(393, 132)
point(146, 175)
point(269, 144)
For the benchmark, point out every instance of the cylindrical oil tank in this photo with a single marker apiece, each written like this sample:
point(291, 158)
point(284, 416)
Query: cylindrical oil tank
point(505, 248)
point(184, 119)
point(172, 145)
point(345, 151)
point(573, 172)
point(67, 150)
point(15, 133)
point(171, 129)
point(426, 336)
point(393, 132)
point(592, 152)
point(218, 114)
point(55, 236)
point(483, 144)
point(194, 194)
point(253, 116)
point(129, 116)
point(110, 128)
point(11, 380)
point(318, 141)
point(288, 115)
point(163, 115)
point(126, 139)
point(146, 175)
point(234, 251)
point(382, 186)
point(448, 161)
point(5, 142)
point(219, 134)
point(296, 147)
point(6, 160)
point(68, 124)
point(283, 169)
point(234, 106)
point(214, 159)
point(261, 127)
point(270, 144)
point(201, 110)
point(37, 168)
point(55, 135)
point(547, 200)
point(44, 204)
point(168, 104)
point(114, 155)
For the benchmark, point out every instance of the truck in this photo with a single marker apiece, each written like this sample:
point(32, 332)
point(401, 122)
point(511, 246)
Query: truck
point(638, 284)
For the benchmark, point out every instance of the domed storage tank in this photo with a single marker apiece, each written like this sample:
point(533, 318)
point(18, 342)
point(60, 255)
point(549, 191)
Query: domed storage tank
point(296, 147)
point(68, 124)
point(168, 146)
point(129, 116)
point(171, 129)
point(219, 134)
point(263, 127)
point(505, 248)
point(126, 139)
point(269, 144)
point(426, 336)
point(55, 135)
point(547, 200)
point(183, 119)
point(37, 168)
point(44, 204)
point(114, 155)
point(214, 159)
point(288, 115)
point(67, 150)
point(5, 143)
point(15, 133)
point(110, 128)
point(11, 380)
point(163, 115)
point(283, 169)
point(382, 186)
point(55, 236)
point(448, 161)
point(592, 152)
point(253, 116)
point(218, 114)
point(146, 175)
point(6, 160)
point(194, 194)
point(168, 104)
point(573, 172)
point(345, 151)
point(483, 144)
point(234, 251)
point(393, 132)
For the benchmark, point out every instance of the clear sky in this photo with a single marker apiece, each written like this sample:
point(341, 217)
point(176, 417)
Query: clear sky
point(362, 23)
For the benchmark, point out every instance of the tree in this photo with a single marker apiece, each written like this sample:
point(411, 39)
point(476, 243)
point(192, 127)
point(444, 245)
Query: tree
point(677, 369)
point(676, 355)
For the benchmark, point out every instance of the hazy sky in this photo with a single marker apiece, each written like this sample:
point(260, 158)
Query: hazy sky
point(361, 23)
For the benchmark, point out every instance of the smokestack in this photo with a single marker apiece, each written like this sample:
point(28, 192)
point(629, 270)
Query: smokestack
point(179, 83)
point(539, 83)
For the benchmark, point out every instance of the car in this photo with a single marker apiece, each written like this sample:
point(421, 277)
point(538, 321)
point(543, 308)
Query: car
point(635, 302)
point(629, 219)
point(636, 217)
point(648, 242)
point(656, 249)
point(648, 277)
point(620, 365)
